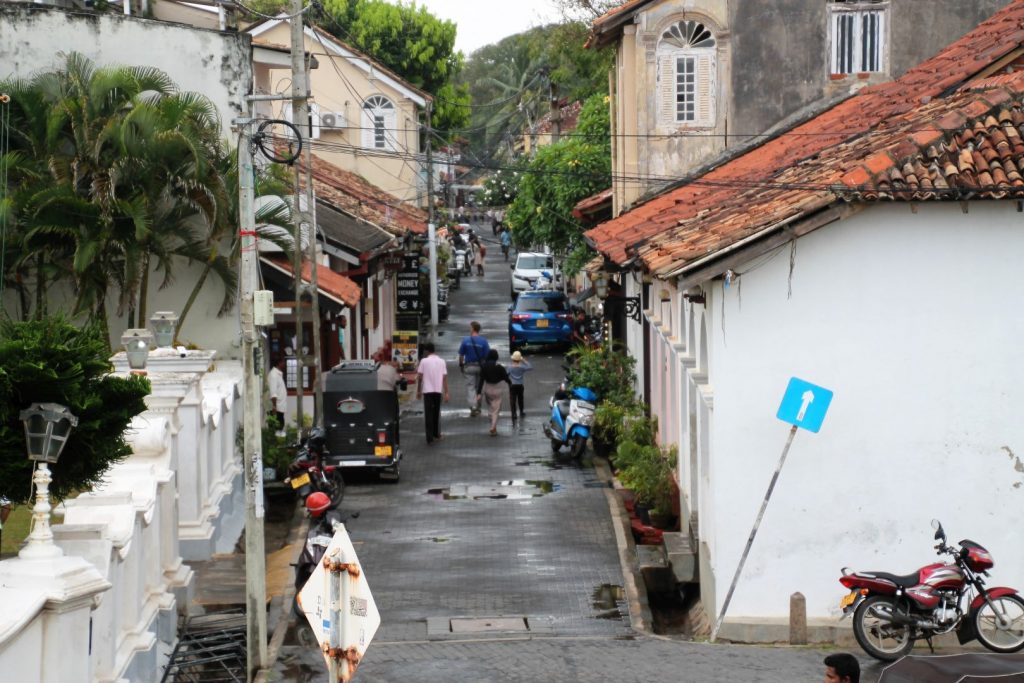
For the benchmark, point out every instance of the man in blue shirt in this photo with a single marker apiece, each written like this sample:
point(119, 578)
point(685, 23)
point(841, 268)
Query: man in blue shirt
point(506, 242)
point(472, 353)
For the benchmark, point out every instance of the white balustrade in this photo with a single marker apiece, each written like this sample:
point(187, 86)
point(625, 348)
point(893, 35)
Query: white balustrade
point(107, 610)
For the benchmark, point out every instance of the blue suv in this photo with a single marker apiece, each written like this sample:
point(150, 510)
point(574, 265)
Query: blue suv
point(540, 317)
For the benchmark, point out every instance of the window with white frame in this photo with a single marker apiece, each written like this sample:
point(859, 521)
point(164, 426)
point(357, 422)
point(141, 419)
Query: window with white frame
point(687, 75)
point(379, 123)
point(857, 35)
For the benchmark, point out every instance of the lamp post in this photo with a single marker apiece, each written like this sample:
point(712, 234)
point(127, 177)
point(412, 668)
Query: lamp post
point(47, 427)
point(136, 347)
point(601, 286)
point(163, 324)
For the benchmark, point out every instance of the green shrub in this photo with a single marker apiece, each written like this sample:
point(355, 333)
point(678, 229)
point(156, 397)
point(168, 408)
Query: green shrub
point(51, 360)
point(608, 373)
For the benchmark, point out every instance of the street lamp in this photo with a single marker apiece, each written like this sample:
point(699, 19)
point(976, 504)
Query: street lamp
point(136, 347)
point(601, 285)
point(163, 323)
point(47, 427)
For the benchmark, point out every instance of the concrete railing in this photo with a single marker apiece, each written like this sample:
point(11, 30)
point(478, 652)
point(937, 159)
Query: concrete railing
point(108, 609)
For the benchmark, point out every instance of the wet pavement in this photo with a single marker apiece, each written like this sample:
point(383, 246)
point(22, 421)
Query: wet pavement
point(493, 560)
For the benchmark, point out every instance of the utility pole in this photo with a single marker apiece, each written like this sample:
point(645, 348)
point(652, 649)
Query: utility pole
point(556, 111)
point(431, 223)
point(301, 119)
point(252, 456)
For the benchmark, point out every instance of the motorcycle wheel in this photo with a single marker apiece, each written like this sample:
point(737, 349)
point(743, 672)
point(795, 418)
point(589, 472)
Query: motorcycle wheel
point(875, 632)
point(579, 445)
point(335, 488)
point(1000, 625)
point(556, 446)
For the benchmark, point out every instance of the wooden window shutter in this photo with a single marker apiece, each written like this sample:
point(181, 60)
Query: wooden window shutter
point(368, 130)
point(706, 90)
point(391, 135)
point(667, 90)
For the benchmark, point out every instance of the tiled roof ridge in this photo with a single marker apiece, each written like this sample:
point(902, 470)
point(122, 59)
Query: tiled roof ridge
point(974, 150)
point(870, 107)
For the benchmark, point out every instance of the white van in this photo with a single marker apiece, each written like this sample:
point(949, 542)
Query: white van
point(528, 271)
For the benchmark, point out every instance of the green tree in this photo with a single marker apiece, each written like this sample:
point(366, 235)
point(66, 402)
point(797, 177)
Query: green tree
point(411, 41)
point(50, 360)
point(558, 177)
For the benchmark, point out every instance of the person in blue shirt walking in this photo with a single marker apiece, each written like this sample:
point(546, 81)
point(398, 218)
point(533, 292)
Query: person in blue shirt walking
point(516, 373)
point(506, 242)
point(472, 353)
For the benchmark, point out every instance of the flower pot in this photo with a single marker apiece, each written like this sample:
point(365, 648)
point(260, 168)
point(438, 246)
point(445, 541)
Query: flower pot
point(643, 513)
point(662, 520)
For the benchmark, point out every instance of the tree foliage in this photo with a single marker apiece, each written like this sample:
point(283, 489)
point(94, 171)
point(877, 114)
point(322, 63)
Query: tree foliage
point(559, 176)
point(412, 42)
point(509, 81)
point(50, 360)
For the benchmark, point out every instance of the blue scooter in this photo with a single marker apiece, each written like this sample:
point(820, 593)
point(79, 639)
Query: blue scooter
point(572, 416)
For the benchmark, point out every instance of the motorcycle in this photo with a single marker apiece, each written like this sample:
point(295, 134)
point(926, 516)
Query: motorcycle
point(460, 266)
point(890, 612)
point(309, 474)
point(325, 520)
point(572, 416)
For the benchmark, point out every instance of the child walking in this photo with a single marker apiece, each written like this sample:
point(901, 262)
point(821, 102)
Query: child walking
point(516, 373)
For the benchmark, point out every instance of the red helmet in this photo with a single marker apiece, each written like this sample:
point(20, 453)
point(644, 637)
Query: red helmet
point(317, 503)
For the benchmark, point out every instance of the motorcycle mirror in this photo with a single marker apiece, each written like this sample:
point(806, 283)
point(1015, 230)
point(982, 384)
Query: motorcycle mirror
point(939, 533)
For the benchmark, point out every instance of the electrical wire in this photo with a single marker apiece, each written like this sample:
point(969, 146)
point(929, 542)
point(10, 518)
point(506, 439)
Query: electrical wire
point(282, 16)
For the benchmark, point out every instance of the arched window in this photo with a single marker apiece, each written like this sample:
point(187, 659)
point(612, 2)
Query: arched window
point(686, 75)
point(379, 119)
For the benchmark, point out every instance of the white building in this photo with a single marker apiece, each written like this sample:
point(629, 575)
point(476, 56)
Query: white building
point(877, 260)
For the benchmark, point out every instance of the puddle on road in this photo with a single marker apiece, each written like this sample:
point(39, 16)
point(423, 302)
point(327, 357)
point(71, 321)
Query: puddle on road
point(513, 489)
point(546, 462)
point(606, 599)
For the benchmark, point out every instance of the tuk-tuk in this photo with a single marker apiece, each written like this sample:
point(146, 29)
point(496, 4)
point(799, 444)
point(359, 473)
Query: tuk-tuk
point(361, 420)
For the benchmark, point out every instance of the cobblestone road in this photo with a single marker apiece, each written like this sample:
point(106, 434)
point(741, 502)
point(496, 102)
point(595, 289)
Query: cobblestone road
point(483, 528)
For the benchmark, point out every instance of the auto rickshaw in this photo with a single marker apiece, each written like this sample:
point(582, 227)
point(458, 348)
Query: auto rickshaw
point(361, 421)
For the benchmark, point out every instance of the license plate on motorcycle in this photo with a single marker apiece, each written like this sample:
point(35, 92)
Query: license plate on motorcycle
point(542, 323)
point(382, 451)
point(848, 599)
point(300, 481)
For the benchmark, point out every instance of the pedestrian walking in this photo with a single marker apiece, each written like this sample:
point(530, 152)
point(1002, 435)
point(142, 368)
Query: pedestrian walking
point(481, 252)
point(432, 387)
point(492, 375)
point(506, 242)
point(278, 391)
point(516, 373)
point(472, 354)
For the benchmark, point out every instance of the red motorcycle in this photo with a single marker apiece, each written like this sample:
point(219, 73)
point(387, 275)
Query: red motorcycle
point(890, 612)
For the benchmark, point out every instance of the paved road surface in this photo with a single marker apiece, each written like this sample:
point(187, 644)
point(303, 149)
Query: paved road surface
point(482, 528)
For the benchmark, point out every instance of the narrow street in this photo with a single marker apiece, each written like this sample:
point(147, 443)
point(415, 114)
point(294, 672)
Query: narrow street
point(481, 529)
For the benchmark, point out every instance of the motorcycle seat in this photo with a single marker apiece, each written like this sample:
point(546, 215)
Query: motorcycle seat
point(905, 581)
point(563, 407)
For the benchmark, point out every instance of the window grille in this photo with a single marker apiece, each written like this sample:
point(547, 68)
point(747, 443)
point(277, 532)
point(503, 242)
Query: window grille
point(687, 75)
point(379, 123)
point(858, 38)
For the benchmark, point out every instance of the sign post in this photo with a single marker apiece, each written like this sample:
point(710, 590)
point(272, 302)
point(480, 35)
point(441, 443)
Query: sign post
point(804, 406)
point(339, 607)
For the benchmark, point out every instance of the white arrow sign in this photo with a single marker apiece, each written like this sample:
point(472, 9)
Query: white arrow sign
point(339, 607)
point(808, 399)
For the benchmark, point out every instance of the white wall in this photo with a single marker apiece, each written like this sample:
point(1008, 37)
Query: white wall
point(914, 320)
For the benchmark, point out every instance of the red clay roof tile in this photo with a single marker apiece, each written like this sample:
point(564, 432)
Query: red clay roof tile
point(867, 140)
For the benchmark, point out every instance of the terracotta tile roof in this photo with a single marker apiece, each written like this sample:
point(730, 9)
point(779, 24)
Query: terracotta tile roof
point(333, 285)
point(570, 118)
point(851, 145)
point(593, 203)
point(355, 195)
point(600, 28)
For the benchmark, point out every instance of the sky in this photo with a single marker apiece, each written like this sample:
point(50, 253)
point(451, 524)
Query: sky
point(482, 22)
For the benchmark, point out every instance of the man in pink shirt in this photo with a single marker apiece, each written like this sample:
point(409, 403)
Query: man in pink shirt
point(431, 385)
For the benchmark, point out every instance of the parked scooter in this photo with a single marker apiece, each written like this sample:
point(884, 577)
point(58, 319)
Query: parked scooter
point(442, 302)
point(572, 416)
point(324, 519)
point(308, 474)
point(890, 612)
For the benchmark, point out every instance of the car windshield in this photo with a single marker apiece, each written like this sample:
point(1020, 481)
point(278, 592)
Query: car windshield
point(534, 262)
point(541, 304)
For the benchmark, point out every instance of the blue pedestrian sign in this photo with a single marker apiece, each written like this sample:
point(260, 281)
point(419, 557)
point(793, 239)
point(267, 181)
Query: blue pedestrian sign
point(804, 405)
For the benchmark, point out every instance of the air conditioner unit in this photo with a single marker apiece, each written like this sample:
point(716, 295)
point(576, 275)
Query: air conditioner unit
point(332, 120)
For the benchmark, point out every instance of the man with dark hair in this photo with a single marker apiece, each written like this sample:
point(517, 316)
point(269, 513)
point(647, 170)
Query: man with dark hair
point(842, 667)
point(432, 387)
point(472, 353)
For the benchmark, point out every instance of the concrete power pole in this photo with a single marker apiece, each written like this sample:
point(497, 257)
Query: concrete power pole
point(303, 122)
point(431, 223)
point(252, 456)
